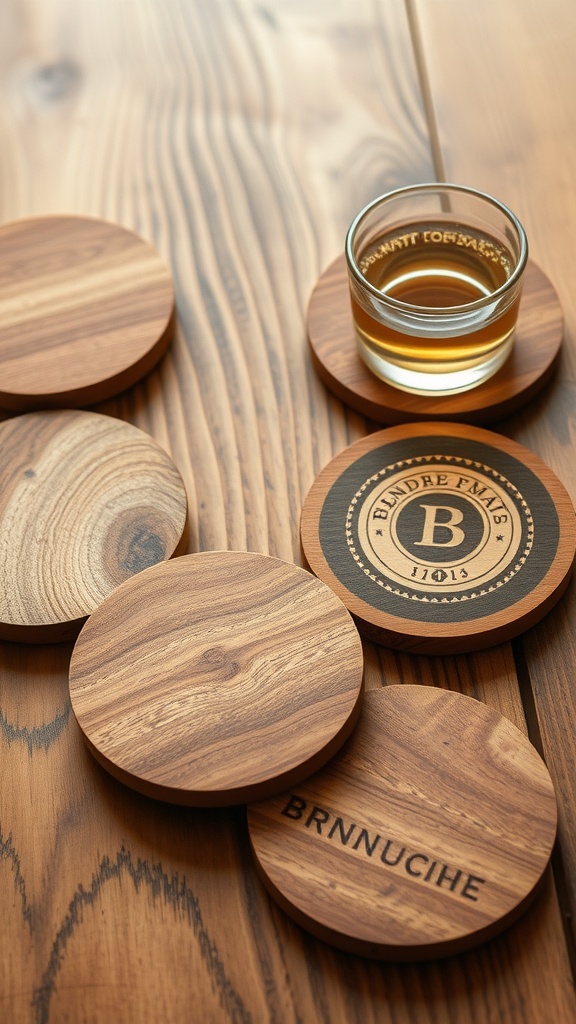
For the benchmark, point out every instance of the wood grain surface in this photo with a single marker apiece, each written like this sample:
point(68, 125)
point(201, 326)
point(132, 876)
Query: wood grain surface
point(217, 678)
point(86, 501)
point(86, 308)
point(537, 341)
point(240, 138)
point(428, 833)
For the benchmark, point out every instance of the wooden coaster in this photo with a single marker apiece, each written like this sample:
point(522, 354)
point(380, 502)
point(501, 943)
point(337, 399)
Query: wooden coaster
point(85, 502)
point(440, 537)
point(217, 678)
point(86, 309)
point(427, 834)
point(333, 346)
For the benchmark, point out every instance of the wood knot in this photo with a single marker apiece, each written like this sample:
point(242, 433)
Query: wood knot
point(53, 83)
point(219, 660)
point(144, 548)
point(136, 541)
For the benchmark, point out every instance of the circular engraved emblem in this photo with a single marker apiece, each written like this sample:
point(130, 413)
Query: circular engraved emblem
point(440, 538)
point(439, 527)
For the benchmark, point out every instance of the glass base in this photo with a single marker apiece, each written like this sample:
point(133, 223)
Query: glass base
point(434, 383)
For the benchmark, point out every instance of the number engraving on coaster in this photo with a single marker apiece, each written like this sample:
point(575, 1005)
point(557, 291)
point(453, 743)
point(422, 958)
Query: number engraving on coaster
point(439, 526)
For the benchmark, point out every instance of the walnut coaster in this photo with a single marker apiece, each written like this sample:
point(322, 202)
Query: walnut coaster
point(529, 367)
point(427, 834)
point(216, 678)
point(86, 310)
point(440, 537)
point(86, 501)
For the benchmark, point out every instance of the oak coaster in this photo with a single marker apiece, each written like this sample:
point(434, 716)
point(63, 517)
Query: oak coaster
point(86, 310)
point(216, 678)
point(427, 834)
point(332, 341)
point(440, 537)
point(86, 501)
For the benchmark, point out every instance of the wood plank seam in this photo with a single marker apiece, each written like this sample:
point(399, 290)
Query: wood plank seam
point(426, 92)
point(557, 860)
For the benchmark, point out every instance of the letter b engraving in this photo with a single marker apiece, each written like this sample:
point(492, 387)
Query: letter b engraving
point(441, 531)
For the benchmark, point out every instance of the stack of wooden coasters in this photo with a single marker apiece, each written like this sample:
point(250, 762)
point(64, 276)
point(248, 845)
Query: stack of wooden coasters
point(409, 822)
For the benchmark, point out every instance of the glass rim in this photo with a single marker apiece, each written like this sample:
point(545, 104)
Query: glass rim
point(434, 311)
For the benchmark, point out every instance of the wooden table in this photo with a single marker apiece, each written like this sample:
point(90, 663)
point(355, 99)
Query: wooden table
point(240, 137)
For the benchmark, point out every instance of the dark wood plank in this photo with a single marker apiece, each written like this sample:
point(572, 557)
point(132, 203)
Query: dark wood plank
point(515, 139)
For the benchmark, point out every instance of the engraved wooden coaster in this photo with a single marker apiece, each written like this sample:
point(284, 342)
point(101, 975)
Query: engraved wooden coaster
point(86, 310)
point(333, 347)
point(426, 835)
point(86, 501)
point(219, 677)
point(440, 537)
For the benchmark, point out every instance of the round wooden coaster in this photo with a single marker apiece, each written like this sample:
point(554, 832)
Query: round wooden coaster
point(86, 501)
point(219, 677)
point(534, 355)
point(440, 537)
point(86, 308)
point(427, 834)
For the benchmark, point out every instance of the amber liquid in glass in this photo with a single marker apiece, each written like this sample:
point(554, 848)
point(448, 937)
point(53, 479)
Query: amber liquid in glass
point(435, 267)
